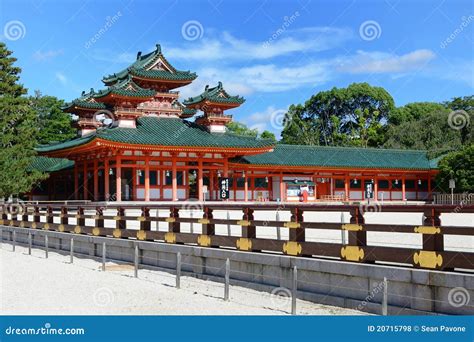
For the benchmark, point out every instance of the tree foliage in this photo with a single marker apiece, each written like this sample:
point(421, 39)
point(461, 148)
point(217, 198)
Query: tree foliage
point(351, 116)
point(242, 129)
point(18, 127)
point(53, 123)
point(459, 166)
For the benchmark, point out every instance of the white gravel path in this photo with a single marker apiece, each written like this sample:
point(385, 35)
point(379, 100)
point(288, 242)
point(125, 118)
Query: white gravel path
point(33, 285)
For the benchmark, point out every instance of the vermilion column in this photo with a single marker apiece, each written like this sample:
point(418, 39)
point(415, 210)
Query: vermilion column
point(118, 179)
point(282, 188)
point(346, 187)
point(106, 180)
point(211, 185)
point(76, 181)
point(174, 180)
point(376, 189)
point(147, 179)
point(200, 179)
point(84, 180)
point(403, 189)
point(246, 188)
point(96, 181)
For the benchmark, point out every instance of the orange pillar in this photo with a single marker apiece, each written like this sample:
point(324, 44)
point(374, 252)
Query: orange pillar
point(76, 181)
point(211, 185)
point(106, 180)
point(200, 179)
point(84, 180)
point(246, 188)
point(96, 181)
point(174, 180)
point(282, 188)
point(346, 187)
point(376, 189)
point(403, 189)
point(118, 179)
point(147, 179)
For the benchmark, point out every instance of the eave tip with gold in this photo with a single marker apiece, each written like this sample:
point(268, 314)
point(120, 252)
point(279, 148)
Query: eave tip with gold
point(138, 142)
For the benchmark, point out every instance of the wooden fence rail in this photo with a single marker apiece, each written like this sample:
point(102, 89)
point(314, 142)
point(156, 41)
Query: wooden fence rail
point(432, 255)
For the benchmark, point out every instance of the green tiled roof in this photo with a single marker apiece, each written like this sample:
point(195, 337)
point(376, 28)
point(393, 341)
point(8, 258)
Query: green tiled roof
point(45, 164)
point(321, 156)
point(126, 87)
point(165, 132)
point(215, 94)
point(143, 62)
point(85, 101)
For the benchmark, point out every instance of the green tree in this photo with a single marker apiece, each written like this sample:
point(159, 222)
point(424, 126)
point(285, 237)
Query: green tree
point(53, 123)
point(464, 118)
point(241, 129)
point(458, 166)
point(414, 111)
point(268, 135)
point(18, 126)
point(341, 116)
point(431, 132)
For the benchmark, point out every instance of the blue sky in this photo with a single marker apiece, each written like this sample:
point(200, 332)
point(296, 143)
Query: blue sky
point(274, 53)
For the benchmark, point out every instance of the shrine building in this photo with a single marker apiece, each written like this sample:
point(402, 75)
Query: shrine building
point(138, 142)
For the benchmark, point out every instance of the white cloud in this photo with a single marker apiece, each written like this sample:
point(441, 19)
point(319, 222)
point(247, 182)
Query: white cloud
point(380, 62)
point(270, 119)
point(61, 78)
point(47, 55)
point(227, 47)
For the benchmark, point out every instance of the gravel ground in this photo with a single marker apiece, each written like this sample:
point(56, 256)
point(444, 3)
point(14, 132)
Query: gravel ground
point(32, 285)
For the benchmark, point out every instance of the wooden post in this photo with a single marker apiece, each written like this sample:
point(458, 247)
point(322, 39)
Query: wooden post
point(404, 197)
point(136, 260)
point(118, 179)
point(120, 222)
point(14, 241)
point(227, 280)
point(145, 225)
point(432, 242)
point(248, 231)
point(297, 234)
point(178, 270)
point(84, 180)
point(30, 243)
point(174, 180)
point(346, 188)
point(282, 188)
point(357, 238)
point(294, 291)
point(376, 189)
point(246, 187)
point(46, 247)
point(385, 297)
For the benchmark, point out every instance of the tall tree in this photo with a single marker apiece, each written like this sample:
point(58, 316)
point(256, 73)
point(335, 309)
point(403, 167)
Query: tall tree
point(414, 111)
point(463, 120)
point(18, 127)
point(458, 166)
point(342, 116)
point(53, 123)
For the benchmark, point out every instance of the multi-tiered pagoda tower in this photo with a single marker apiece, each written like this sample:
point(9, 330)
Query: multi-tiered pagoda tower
point(145, 88)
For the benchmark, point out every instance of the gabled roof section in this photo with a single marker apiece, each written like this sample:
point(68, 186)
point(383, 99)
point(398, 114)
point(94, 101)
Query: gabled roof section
point(126, 88)
point(46, 164)
point(153, 66)
point(344, 157)
point(86, 101)
point(217, 95)
point(165, 132)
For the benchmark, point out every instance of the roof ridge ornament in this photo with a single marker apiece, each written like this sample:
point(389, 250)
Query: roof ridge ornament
point(158, 48)
point(139, 54)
